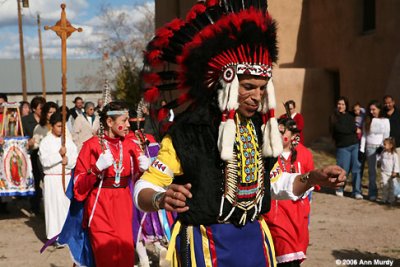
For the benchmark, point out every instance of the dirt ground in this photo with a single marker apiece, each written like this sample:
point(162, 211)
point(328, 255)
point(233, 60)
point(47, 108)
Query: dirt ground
point(343, 232)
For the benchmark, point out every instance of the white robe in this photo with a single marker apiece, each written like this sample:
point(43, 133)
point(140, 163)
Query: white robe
point(56, 203)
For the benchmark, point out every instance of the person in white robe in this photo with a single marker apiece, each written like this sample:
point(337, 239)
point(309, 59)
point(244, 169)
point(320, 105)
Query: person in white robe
point(52, 157)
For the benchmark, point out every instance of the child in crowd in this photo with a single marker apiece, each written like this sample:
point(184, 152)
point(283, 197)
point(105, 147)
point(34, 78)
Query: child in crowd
point(389, 162)
point(359, 116)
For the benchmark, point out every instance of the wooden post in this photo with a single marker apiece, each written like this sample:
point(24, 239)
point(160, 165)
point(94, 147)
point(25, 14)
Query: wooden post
point(21, 53)
point(41, 58)
point(63, 29)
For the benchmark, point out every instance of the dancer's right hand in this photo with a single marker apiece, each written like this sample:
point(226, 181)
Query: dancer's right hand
point(105, 160)
point(175, 198)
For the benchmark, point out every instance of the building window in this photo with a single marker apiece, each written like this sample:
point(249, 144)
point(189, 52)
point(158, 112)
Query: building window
point(368, 15)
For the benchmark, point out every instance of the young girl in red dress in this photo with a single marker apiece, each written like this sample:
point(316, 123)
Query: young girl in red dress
point(287, 219)
point(102, 176)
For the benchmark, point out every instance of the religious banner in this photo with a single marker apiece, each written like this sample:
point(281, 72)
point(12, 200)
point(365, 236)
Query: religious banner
point(15, 168)
point(11, 124)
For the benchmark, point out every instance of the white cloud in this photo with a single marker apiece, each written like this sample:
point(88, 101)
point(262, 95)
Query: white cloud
point(77, 43)
point(49, 11)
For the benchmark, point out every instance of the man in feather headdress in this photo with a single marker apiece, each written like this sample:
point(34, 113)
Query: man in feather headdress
point(217, 165)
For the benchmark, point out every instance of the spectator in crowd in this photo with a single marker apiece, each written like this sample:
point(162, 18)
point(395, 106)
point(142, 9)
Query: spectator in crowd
point(24, 108)
point(359, 117)
point(389, 163)
point(100, 105)
point(376, 129)
point(44, 126)
point(85, 126)
point(29, 123)
point(344, 133)
point(76, 110)
point(297, 117)
point(52, 157)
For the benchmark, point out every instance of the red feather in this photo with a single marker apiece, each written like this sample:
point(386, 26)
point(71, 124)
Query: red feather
point(152, 78)
point(212, 2)
point(153, 57)
point(162, 114)
point(152, 94)
point(196, 9)
point(175, 24)
point(183, 98)
point(164, 31)
point(162, 38)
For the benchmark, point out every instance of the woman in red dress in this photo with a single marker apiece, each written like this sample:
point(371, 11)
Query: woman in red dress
point(102, 176)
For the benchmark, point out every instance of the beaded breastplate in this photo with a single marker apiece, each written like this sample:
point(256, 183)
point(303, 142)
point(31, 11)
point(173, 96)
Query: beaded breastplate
point(244, 175)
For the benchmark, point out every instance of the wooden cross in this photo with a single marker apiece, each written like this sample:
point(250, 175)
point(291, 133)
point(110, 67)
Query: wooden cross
point(63, 29)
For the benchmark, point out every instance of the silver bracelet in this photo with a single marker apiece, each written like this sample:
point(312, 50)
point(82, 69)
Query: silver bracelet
point(156, 199)
point(304, 178)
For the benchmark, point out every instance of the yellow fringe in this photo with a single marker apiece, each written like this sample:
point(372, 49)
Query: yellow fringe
point(171, 253)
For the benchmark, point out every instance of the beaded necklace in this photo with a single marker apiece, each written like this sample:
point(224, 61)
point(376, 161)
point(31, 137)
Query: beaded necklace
point(244, 175)
point(283, 163)
point(117, 163)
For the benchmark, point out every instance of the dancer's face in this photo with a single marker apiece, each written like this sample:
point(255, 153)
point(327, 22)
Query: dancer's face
point(118, 126)
point(251, 92)
point(287, 136)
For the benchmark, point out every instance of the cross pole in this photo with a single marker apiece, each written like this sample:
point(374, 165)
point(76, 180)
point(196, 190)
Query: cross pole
point(63, 29)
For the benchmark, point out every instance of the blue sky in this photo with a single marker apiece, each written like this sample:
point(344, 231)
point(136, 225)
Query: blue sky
point(81, 13)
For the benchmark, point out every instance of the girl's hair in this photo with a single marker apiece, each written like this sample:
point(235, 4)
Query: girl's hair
point(368, 118)
point(45, 109)
point(55, 117)
point(391, 141)
point(112, 106)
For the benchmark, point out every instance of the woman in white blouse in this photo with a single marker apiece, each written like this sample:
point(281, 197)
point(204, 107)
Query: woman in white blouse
point(377, 128)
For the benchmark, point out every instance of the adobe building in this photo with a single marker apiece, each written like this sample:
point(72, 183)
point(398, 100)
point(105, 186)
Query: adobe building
point(327, 49)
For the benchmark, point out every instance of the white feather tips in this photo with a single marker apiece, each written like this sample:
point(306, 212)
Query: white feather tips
point(233, 103)
point(271, 95)
point(276, 139)
point(228, 140)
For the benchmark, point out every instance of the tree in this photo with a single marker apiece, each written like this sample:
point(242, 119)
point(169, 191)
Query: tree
point(122, 38)
point(127, 85)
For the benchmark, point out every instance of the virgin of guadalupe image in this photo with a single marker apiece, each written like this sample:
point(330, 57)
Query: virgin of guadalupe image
point(15, 166)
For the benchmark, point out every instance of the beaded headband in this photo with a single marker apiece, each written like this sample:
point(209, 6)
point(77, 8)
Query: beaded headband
point(117, 112)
